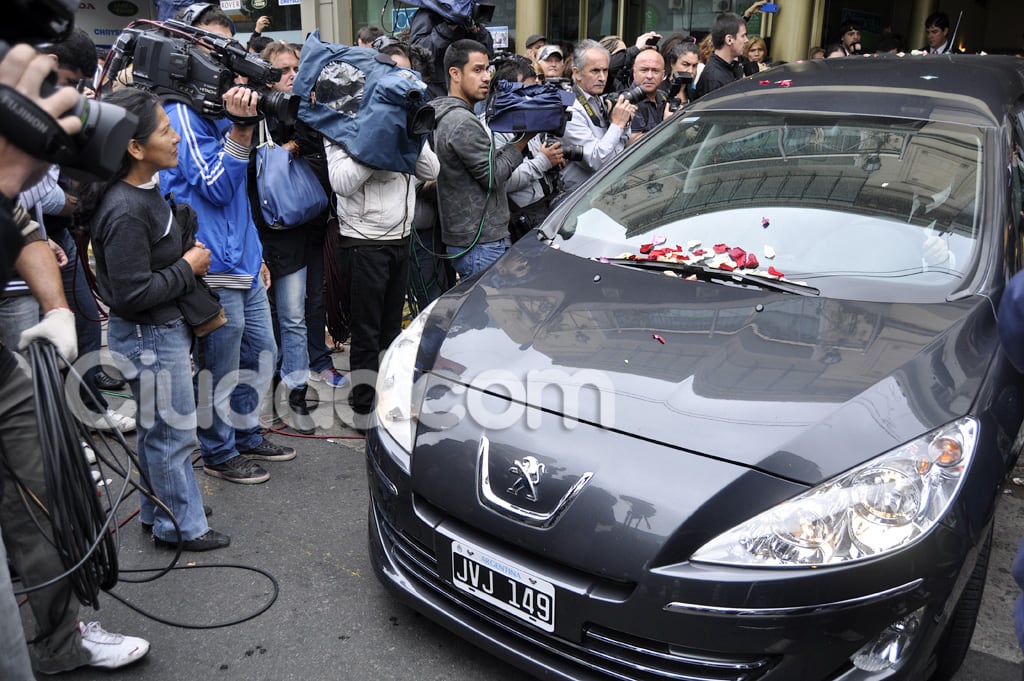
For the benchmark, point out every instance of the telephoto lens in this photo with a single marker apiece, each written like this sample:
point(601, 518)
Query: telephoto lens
point(280, 105)
point(634, 94)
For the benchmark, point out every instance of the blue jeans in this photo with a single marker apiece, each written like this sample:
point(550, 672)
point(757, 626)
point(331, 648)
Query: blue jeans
point(289, 293)
point(478, 258)
point(155, 359)
point(17, 313)
point(236, 368)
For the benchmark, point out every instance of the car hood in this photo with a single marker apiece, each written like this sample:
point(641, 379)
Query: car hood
point(801, 387)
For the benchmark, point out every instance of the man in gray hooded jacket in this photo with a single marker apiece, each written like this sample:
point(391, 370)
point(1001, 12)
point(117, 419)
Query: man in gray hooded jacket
point(471, 185)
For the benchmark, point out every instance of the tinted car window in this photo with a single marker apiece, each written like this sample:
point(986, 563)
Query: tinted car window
point(847, 205)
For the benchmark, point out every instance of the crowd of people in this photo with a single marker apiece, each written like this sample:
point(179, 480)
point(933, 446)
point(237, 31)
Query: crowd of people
point(178, 228)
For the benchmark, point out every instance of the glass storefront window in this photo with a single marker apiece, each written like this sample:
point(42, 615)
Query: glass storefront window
point(602, 18)
point(285, 18)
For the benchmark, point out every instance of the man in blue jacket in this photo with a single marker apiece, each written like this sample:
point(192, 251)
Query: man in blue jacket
point(237, 360)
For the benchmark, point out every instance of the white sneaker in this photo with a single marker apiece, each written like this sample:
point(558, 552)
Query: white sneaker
point(90, 454)
point(108, 650)
point(120, 422)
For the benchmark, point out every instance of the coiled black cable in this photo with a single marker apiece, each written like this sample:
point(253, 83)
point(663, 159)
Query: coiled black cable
point(80, 528)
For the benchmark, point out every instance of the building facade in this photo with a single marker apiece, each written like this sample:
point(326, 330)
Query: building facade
point(990, 25)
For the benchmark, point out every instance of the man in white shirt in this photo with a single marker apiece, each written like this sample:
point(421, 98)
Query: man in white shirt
point(936, 33)
point(596, 134)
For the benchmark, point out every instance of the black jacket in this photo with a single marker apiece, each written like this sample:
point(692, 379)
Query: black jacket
point(717, 73)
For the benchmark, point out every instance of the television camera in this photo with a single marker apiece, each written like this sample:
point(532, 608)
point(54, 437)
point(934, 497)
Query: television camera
point(188, 64)
point(96, 151)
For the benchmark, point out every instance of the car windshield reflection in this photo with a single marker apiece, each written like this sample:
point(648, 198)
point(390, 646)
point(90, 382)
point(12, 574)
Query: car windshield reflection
point(879, 203)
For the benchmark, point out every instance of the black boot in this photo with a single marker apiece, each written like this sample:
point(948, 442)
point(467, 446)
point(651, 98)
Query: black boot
point(297, 414)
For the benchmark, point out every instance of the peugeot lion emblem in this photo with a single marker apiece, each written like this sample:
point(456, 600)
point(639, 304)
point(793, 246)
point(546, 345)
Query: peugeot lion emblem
point(527, 472)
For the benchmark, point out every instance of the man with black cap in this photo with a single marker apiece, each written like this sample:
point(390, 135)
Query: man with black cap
point(533, 45)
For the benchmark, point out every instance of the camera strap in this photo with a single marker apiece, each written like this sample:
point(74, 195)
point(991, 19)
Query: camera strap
point(598, 118)
point(26, 125)
point(242, 120)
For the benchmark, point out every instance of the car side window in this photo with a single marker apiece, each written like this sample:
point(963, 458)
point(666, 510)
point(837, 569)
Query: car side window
point(1016, 172)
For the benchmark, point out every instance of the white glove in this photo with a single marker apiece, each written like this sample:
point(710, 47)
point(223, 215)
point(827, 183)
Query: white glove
point(58, 327)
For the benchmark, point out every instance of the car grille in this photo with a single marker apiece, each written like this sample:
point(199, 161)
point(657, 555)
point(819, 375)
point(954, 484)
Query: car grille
point(610, 653)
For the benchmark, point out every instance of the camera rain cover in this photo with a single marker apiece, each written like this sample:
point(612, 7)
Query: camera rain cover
point(455, 11)
point(518, 108)
point(340, 88)
point(361, 100)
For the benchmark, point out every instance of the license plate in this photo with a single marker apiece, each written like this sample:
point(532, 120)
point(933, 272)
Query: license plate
point(504, 585)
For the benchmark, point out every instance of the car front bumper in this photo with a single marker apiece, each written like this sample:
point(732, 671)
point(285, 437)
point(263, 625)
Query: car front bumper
point(670, 625)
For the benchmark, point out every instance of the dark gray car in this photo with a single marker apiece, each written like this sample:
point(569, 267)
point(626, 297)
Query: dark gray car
point(738, 411)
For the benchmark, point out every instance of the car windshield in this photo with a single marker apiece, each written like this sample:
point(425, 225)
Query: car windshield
point(860, 208)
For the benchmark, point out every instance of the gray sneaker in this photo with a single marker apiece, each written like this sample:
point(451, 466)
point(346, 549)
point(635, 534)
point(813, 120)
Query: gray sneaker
point(238, 469)
point(268, 451)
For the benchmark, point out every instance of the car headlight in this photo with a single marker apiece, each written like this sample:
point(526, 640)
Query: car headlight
point(881, 506)
point(397, 410)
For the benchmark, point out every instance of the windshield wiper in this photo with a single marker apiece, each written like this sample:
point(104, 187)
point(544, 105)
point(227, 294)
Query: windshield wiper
point(714, 274)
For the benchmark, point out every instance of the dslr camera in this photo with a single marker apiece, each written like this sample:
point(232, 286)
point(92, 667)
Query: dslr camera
point(633, 95)
point(680, 81)
point(95, 152)
point(187, 64)
point(572, 152)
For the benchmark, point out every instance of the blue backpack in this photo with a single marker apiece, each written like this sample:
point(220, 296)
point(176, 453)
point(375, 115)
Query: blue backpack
point(363, 102)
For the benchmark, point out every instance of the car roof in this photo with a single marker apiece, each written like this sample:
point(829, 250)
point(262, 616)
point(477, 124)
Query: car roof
point(970, 89)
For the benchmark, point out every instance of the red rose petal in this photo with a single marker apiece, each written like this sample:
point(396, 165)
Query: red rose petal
point(720, 248)
point(646, 248)
point(726, 266)
point(736, 253)
point(775, 273)
point(764, 82)
point(658, 338)
point(700, 251)
point(751, 261)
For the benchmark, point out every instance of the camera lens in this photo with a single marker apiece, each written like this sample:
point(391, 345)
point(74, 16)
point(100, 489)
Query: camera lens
point(634, 94)
point(572, 152)
point(282, 106)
